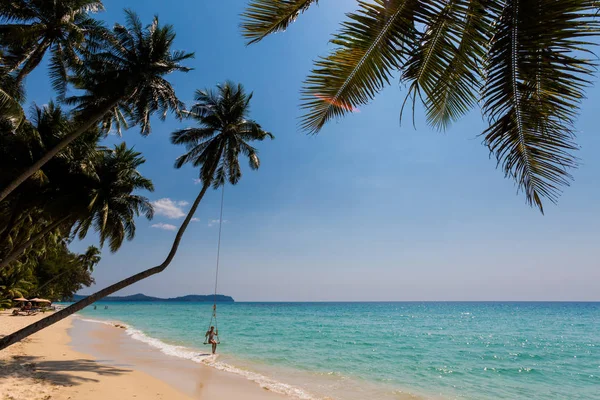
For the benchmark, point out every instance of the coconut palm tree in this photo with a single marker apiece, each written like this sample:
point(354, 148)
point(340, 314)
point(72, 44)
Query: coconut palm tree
point(123, 82)
point(31, 28)
point(223, 133)
point(90, 258)
point(84, 187)
point(105, 200)
point(215, 146)
point(110, 202)
point(526, 62)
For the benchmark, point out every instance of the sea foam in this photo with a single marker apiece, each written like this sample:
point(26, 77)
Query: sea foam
point(207, 359)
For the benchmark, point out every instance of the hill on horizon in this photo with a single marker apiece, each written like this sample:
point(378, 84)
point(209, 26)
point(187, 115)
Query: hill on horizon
point(192, 298)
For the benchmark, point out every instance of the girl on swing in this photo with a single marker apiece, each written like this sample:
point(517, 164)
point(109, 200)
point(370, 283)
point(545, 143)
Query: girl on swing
point(211, 334)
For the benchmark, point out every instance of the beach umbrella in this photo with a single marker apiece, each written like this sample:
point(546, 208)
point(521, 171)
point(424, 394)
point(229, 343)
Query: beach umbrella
point(43, 301)
point(20, 299)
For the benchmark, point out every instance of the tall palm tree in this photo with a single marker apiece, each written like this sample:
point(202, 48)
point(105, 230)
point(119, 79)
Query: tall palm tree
point(214, 147)
point(223, 133)
point(110, 202)
point(123, 82)
point(528, 61)
point(105, 200)
point(90, 258)
point(31, 28)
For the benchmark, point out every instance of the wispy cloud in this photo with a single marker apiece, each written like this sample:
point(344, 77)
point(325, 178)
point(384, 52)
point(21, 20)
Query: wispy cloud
point(166, 227)
point(195, 219)
point(197, 181)
point(216, 221)
point(169, 208)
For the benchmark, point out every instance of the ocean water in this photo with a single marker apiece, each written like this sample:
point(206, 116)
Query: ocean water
point(386, 350)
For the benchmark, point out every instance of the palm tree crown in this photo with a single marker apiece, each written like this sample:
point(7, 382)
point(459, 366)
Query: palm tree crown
point(527, 62)
point(222, 135)
point(128, 75)
point(35, 26)
point(110, 204)
point(123, 82)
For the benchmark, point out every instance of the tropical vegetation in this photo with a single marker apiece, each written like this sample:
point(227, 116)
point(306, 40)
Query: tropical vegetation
point(526, 63)
point(119, 81)
point(224, 133)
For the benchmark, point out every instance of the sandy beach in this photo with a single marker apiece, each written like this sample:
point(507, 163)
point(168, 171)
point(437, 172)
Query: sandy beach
point(45, 366)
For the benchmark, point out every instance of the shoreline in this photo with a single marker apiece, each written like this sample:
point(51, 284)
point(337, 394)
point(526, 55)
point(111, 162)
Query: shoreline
point(118, 343)
point(115, 343)
point(50, 365)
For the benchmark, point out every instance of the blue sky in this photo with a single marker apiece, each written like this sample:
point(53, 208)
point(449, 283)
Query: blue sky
point(370, 209)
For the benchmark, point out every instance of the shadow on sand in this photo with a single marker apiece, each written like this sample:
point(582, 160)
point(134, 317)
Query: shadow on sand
point(59, 372)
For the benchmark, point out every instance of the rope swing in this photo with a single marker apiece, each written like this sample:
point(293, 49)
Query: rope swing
point(214, 308)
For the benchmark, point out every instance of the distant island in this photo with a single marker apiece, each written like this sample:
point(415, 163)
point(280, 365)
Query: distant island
point(191, 298)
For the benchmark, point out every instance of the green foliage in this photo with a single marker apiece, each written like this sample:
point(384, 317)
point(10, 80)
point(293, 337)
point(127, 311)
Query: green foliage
point(265, 17)
point(526, 62)
point(61, 273)
point(223, 134)
point(31, 28)
point(119, 76)
point(128, 74)
point(85, 186)
point(56, 275)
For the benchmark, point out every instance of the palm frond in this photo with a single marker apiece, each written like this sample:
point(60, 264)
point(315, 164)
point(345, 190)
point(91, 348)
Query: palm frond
point(442, 70)
point(536, 73)
point(263, 17)
point(371, 45)
point(10, 109)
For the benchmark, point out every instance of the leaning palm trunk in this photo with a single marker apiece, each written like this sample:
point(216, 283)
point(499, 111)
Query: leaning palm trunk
point(52, 319)
point(93, 119)
point(13, 255)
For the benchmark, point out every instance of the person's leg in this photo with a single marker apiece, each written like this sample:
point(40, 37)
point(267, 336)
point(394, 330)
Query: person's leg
point(214, 348)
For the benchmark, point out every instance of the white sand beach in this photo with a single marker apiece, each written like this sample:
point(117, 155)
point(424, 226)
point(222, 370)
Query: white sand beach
point(46, 367)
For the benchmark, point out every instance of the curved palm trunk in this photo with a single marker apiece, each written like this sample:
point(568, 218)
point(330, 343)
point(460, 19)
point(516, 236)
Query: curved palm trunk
point(43, 323)
point(19, 250)
point(55, 150)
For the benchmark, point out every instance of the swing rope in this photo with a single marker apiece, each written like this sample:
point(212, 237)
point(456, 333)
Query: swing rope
point(214, 310)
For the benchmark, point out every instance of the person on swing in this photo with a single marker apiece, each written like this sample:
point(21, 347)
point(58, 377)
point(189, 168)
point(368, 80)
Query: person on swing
point(211, 334)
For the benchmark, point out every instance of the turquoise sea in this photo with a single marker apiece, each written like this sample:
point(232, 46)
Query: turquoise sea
point(386, 350)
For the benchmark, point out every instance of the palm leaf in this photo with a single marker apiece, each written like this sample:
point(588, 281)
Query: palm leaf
point(535, 77)
point(10, 109)
point(443, 69)
point(371, 46)
point(263, 17)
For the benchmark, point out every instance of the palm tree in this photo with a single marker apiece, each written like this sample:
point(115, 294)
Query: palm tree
point(214, 147)
point(124, 81)
point(224, 131)
point(104, 199)
point(110, 203)
point(528, 61)
point(90, 258)
point(33, 27)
